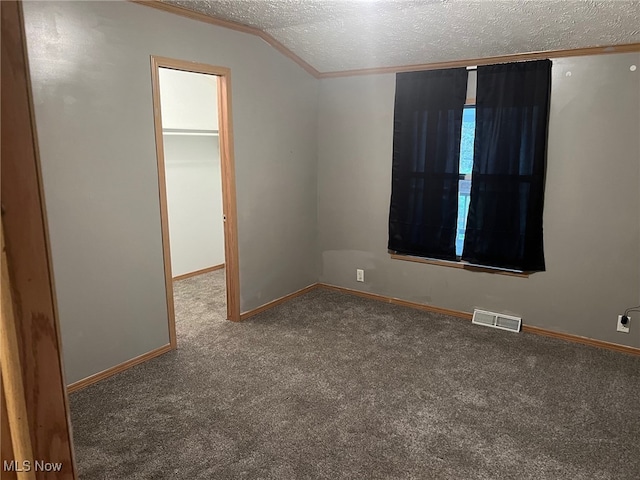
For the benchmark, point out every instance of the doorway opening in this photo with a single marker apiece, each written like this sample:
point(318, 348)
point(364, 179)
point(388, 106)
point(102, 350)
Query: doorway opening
point(196, 179)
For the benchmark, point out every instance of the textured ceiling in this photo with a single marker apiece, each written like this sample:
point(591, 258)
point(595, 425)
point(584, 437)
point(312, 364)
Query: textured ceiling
point(336, 35)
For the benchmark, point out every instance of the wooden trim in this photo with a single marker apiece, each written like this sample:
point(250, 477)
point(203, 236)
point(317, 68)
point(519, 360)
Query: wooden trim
point(227, 165)
point(583, 340)
point(397, 301)
point(12, 385)
point(519, 57)
point(189, 66)
point(468, 316)
point(199, 272)
point(201, 17)
point(446, 311)
point(460, 265)
point(289, 54)
point(278, 301)
point(229, 205)
point(6, 449)
point(109, 372)
point(28, 257)
point(164, 208)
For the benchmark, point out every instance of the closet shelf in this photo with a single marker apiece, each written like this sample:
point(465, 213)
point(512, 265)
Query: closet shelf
point(189, 131)
point(188, 163)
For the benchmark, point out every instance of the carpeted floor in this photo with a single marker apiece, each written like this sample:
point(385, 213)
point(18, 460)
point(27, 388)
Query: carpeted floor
point(335, 386)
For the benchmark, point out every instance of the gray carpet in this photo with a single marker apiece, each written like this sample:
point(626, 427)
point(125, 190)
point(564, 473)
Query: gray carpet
point(335, 386)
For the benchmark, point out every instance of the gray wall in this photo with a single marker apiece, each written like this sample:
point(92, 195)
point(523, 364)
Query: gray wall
point(592, 220)
point(91, 80)
point(313, 165)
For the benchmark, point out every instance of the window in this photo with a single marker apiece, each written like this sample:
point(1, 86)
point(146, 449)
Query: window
point(468, 180)
point(465, 176)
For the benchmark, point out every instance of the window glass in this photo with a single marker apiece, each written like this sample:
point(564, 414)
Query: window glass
point(467, 138)
point(466, 167)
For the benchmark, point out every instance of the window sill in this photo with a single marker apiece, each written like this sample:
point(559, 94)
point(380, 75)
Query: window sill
point(461, 265)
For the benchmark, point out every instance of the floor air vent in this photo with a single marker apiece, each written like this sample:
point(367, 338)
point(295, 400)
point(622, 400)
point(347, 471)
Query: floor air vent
point(496, 320)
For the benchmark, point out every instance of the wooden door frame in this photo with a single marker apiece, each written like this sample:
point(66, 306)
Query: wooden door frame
point(33, 381)
point(225, 132)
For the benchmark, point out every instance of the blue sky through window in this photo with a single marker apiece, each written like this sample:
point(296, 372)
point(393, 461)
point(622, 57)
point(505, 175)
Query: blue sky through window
point(467, 139)
point(466, 166)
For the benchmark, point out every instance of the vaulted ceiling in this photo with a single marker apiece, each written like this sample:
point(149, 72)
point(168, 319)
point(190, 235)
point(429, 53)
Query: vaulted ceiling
point(338, 35)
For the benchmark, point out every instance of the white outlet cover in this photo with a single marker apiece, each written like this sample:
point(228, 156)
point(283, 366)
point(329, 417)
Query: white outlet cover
point(622, 328)
point(359, 275)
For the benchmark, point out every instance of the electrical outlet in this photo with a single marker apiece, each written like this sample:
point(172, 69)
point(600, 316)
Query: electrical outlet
point(622, 327)
point(359, 275)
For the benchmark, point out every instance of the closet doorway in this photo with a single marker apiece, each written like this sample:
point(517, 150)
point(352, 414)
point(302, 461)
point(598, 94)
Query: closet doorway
point(194, 147)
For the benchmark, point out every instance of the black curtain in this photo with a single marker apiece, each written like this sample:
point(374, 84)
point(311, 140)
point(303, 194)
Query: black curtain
point(426, 151)
point(504, 226)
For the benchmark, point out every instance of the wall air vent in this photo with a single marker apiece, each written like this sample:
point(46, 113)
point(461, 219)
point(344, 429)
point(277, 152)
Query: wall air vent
point(496, 320)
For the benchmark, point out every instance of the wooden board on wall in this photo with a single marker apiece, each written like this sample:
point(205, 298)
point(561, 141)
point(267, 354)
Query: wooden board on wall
point(6, 450)
point(28, 259)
